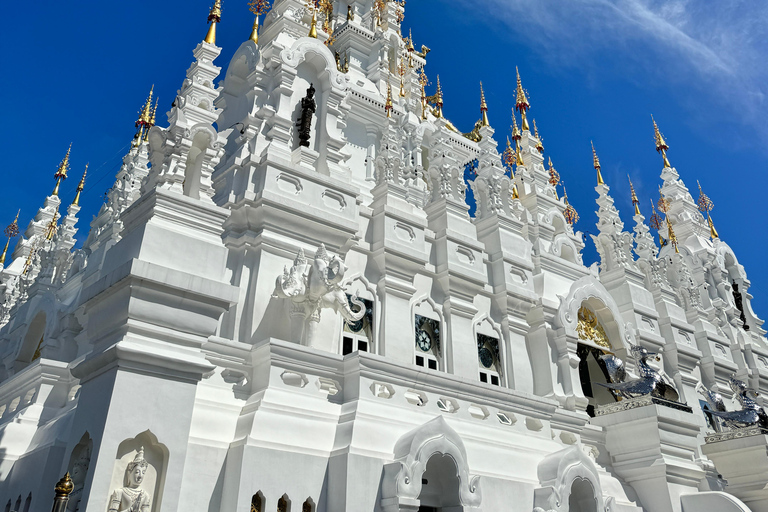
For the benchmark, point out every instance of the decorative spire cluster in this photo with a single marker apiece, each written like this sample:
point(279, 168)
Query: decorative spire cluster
point(61, 172)
point(214, 18)
point(664, 207)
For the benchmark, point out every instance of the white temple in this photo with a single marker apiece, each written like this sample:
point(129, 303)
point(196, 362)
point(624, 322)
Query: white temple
point(285, 305)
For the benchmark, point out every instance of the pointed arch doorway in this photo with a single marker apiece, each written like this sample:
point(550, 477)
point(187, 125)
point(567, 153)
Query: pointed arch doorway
point(440, 485)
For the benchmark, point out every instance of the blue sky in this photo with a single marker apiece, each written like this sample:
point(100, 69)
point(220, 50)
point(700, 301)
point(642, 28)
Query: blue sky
point(594, 69)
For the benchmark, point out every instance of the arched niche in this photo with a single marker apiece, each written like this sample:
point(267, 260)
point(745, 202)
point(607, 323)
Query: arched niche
point(490, 342)
point(568, 478)
point(361, 335)
point(78, 467)
point(33, 341)
point(311, 62)
point(156, 455)
point(257, 502)
point(590, 293)
point(437, 450)
point(427, 322)
point(202, 139)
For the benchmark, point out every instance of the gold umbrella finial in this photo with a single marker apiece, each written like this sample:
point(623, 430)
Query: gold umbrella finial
point(596, 162)
point(214, 18)
point(522, 105)
point(80, 187)
point(483, 106)
point(661, 145)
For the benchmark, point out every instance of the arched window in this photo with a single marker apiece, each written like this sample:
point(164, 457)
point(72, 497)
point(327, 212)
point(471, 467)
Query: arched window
point(428, 337)
point(489, 358)
point(359, 335)
point(8, 506)
point(17, 508)
point(28, 503)
point(257, 502)
point(309, 506)
point(284, 504)
point(593, 345)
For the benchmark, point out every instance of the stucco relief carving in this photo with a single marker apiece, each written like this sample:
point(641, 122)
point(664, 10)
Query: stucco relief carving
point(312, 287)
point(298, 54)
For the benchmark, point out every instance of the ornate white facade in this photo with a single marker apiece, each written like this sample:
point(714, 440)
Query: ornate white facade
point(253, 323)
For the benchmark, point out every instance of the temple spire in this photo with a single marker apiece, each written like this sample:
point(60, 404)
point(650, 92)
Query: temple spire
point(80, 187)
point(635, 200)
point(554, 176)
point(661, 144)
point(61, 172)
point(596, 162)
point(483, 106)
point(439, 98)
point(522, 105)
point(389, 106)
point(570, 214)
point(214, 18)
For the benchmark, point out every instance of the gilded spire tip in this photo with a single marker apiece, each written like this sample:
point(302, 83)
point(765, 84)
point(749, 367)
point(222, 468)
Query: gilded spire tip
point(214, 18)
point(635, 200)
point(661, 145)
point(522, 105)
point(483, 106)
point(80, 187)
point(596, 162)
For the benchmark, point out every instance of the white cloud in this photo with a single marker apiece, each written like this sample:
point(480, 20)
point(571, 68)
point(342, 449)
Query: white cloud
point(724, 43)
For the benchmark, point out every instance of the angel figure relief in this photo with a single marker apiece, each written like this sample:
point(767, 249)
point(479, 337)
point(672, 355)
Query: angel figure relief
point(312, 287)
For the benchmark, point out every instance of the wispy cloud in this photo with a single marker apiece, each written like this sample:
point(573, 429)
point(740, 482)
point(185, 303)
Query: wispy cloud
point(716, 46)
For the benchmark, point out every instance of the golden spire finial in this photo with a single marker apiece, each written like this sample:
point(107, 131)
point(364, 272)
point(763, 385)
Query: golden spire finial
point(483, 106)
point(389, 106)
point(423, 81)
point(80, 187)
point(570, 213)
point(705, 206)
point(153, 116)
point(61, 173)
point(410, 41)
point(439, 98)
point(522, 104)
point(661, 145)
point(144, 120)
point(12, 231)
point(313, 25)
point(257, 7)
point(214, 18)
point(671, 235)
point(635, 200)
point(596, 161)
point(350, 13)
point(554, 176)
point(515, 130)
point(539, 142)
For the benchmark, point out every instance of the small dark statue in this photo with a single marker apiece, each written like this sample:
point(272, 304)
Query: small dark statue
point(308, 107)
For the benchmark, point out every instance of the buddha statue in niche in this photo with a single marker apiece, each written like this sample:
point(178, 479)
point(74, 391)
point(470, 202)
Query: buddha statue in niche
point(132, 498)
point(78, 474)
